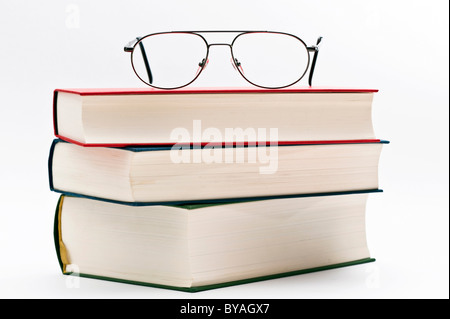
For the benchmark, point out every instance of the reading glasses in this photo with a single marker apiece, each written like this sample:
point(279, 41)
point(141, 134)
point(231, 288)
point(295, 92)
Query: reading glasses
point(266, 59)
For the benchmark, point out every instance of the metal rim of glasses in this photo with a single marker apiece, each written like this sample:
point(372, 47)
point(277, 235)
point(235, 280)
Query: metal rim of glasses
point(132, 45)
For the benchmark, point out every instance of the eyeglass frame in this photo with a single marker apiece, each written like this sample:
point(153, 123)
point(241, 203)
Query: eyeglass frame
point(130, 47)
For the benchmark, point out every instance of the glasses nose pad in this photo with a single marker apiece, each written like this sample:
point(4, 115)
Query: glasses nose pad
point(202, 65)
point(236, 64)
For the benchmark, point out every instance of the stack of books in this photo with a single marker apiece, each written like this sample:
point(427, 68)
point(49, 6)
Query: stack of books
point(194, 189)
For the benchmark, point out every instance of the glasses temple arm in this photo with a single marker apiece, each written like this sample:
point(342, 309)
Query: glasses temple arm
point(130, 47)
point(315, 49)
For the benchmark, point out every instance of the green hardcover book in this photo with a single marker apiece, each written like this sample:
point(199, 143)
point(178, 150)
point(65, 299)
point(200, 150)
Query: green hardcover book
point(199, 247)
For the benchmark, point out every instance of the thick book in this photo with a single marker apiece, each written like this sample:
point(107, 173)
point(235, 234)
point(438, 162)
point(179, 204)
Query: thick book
point(199, 247)
point(188, 174)
point(121, 117)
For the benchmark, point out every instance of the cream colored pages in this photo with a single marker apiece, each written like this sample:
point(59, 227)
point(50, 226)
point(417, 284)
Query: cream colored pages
point(96, 172)
point(124, 242)
point(284, 170)
point(156, 176)
point(276, 236)
point(216, 244)
point(70, 118)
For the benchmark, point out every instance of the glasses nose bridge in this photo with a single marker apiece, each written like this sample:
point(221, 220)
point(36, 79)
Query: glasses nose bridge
point(219, 44)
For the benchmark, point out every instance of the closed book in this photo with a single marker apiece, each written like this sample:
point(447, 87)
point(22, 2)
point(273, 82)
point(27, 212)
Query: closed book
point(190, 174)
point(121, 117)
point(199, 247)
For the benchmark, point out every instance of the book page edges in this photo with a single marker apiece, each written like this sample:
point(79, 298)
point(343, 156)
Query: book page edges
point(70, 117)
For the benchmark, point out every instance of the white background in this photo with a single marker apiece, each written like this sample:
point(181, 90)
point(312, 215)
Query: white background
point(398, 47)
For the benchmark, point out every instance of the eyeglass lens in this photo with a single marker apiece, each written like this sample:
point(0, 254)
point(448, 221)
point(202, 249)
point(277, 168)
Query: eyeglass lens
point(173, 59)
point(271, 59)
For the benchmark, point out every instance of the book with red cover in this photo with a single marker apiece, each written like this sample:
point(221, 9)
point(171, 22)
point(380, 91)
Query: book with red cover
point(119, 117)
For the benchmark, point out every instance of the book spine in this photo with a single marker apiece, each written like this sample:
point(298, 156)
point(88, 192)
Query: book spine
point(50, 164)
point(55, 121)
point(59, 245)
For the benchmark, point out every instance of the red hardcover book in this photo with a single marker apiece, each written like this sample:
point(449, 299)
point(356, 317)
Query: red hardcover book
point(211, 116)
